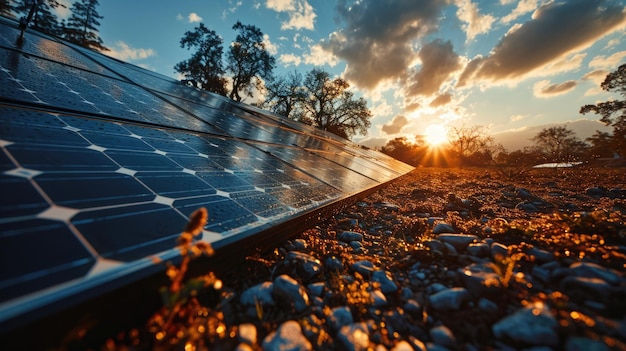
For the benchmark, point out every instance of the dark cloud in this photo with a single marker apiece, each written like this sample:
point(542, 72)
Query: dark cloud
point(438, 61)
point(441, 100)
point(556, 28)
point(549, 90)
point(377, 41)
point(395, 125)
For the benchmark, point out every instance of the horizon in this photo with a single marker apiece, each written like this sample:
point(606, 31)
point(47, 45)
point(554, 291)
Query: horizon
point(417, 65)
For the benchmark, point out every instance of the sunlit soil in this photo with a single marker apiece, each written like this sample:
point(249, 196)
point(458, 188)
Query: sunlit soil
point(569, 222)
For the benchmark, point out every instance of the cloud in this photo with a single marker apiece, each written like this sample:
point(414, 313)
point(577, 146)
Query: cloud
point(194, 18)
point(543, 89)
point(441, 100)
point(516, 118)
point(475, 23)
point(319, 57)
point(378, 37)
point(523, 7)
point(269, 46)
point(122, 51)
point(611, 62)
point(301, 13)
point(290, 59)
point(439, 61)
point(597, 77)
point(556, 30)
point(395, 125)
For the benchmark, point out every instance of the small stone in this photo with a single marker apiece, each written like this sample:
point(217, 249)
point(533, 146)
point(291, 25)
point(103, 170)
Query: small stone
point(449, 249)
point(248, 333)
point(441, 228)
point(243, 347)
point(288, 336)
point(364, 267)
point(577, 343)
point(499, 251)
point(354, 337)
point(339, 317)
point(350, 236)
point(593, 270)
point(541, 256)
point(479, 250)
point(378, 298)
point(533, 325)
point(333, 263)
point(300, 244)
point(287, 289)
point(443, 336)
point(260, 293)
point(459, 241)
point(316, 289)
point(449, 299)
point(481, 279)
point(387, 285)
point(412, 307)
point(402, 346)
point(487, 305)
point(523, 193)
point(596, 191)
point(435, 245)
point(307, 266)
point(586, 288)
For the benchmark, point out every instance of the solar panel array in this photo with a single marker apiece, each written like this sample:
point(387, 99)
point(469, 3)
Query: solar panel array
point(102, 162)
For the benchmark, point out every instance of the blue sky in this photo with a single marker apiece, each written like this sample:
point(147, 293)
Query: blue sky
point(501, 64)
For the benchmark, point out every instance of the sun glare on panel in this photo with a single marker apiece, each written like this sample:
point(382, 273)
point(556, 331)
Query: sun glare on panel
point(436, 135)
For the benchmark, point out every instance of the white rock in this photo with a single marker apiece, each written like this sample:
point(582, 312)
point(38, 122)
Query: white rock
point(287, 289)
point(289, 337)
point(260, 293)
point(443, 336)
point(531, 325)
point(449, 299)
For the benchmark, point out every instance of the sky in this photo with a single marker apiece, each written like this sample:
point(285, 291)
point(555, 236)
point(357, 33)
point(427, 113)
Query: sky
point(500, 64)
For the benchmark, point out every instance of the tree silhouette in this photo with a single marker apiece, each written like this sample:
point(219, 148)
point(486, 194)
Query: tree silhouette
point(613, 112)
point(205, 65)
point(559, 144)
point(331, 107)
point(82, 26)
point(471, 142)
point(285, 94)
point(248, 61)
point(43, 19)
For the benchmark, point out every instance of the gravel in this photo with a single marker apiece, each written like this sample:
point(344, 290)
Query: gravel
point(442, 259)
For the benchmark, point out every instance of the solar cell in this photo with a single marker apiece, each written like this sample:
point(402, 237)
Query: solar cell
point(102, 163)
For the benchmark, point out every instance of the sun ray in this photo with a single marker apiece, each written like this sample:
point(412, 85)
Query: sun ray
point(436, 135)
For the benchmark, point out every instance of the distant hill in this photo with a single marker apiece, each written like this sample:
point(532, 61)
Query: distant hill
point(518, 139)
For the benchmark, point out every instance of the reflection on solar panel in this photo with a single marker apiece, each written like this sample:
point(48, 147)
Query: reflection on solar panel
point(102, 162)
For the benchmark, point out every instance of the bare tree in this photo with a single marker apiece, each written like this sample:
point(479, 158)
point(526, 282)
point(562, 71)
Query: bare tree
point(469, 143)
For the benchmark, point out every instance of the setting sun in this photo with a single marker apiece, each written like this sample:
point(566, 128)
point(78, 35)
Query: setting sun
point(436, 135)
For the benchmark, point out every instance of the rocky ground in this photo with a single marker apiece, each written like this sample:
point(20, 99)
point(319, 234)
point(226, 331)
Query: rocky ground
point(442, 259)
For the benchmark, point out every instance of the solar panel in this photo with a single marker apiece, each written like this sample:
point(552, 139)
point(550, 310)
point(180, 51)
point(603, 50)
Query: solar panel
point(102, 163)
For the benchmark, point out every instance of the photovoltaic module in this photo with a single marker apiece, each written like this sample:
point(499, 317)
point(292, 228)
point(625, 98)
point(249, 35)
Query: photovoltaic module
point(102, 162)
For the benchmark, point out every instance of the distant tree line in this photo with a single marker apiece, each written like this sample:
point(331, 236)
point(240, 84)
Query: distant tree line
point(81, 27)
point(471, 146)
point(316, 99)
